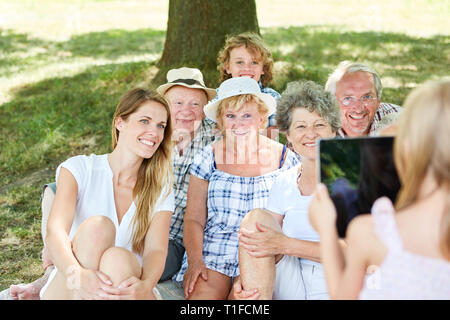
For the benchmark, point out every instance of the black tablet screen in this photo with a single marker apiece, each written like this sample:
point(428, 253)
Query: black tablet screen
point(357, 171)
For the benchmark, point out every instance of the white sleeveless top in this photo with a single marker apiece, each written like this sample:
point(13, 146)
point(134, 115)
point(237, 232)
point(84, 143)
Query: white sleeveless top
point(96, 197)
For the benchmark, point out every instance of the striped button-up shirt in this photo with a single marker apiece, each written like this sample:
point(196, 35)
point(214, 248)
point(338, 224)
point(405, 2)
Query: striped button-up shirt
point(181, 170)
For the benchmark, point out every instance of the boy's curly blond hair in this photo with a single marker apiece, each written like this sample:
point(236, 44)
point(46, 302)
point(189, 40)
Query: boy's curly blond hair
point(254, 43)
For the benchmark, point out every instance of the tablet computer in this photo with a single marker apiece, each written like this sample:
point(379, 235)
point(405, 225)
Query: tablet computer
point(357, 171)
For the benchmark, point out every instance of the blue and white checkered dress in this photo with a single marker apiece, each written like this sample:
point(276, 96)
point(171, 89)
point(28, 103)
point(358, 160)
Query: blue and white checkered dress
point(230, 198)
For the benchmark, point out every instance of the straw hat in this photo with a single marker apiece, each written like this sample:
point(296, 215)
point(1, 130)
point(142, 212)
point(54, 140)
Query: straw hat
point(234, 87)
point(186, 77)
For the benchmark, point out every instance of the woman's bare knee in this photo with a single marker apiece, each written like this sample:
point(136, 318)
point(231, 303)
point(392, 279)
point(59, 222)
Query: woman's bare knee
point(256, 215)
point(97, 230)
point(119, 264)
point(217, 287)
point(92, 238)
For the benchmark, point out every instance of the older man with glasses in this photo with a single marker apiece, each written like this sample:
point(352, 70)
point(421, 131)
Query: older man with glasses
point(358, 89)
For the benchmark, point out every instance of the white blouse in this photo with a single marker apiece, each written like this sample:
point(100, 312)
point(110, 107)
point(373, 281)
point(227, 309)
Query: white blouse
point(96, 197)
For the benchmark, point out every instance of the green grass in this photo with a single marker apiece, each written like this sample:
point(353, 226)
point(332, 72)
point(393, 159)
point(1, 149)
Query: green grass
point(58, 93)
point(58, 99)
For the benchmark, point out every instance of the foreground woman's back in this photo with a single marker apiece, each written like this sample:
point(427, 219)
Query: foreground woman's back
point(417, 237)
point(405, 273)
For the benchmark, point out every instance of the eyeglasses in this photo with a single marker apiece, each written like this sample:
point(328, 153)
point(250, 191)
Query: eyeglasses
point(365, 100)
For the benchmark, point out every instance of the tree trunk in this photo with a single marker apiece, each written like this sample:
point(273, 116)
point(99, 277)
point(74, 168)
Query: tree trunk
point(196, 32)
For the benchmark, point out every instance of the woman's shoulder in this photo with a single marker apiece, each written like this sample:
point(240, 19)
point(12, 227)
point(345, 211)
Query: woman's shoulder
point(272, 144)
point(361, 225)
point(82, 158)
point(362, 237)
point(286, 181)
point(289, 175)
point(285, 157)
point(291, 159)
point(202, 165)
point(82, 164)
point(269, 147)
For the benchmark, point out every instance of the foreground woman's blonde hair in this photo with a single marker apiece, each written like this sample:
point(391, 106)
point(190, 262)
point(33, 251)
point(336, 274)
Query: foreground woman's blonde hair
point(422, 145)
point(154, 173)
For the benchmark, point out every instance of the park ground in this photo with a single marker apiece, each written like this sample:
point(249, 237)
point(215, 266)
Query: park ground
point(65, 63)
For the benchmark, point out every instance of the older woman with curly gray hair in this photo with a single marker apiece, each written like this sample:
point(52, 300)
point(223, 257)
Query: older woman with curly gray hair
point(279, 254)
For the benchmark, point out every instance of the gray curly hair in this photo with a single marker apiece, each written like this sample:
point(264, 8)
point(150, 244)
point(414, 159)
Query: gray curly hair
point(312, 97)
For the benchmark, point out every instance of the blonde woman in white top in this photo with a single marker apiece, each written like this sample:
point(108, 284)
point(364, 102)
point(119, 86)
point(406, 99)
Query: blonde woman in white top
point(108, 228)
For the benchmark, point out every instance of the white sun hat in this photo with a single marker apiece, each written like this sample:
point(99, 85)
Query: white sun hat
point(186, 77)
point(235, 87)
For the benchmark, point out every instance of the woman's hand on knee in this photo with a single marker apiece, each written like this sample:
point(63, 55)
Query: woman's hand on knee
point(190, 278)
point(238, 292)
point(130, 289)
point(262, 242)
point(88, 284)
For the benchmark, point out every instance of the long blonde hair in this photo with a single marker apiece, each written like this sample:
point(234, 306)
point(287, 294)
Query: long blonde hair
point(154, 173)
point(424, 131)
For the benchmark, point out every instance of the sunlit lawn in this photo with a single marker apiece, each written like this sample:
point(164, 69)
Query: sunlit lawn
point(64, 64)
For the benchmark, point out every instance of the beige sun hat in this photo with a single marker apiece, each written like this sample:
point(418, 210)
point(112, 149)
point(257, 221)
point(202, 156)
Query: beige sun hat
point(234, 87)
point(186, 77)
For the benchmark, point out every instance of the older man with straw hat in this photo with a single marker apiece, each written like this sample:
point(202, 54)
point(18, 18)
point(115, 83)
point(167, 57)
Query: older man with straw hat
point(187, 94)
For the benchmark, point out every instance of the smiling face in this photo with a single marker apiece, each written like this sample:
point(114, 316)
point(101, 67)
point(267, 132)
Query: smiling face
point(186, 107)
point(143, 130)
point(243, 63)
point(305, 129)
point(242, 123)
point(358, 117)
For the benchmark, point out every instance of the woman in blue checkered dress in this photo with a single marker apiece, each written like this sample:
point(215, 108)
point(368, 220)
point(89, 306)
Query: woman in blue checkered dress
point(228, 179)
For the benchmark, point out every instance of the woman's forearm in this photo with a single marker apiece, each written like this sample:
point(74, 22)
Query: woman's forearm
point(153, 267)
point(193, 239)
point(303, 249)
point(59, 224)
point(195, 218)
point(60, 251)
point(333, 261)
point(307, 249)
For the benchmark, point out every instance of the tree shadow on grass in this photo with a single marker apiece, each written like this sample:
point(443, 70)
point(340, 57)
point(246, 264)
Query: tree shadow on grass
point(64, 116)
point(112, 44)
point(107, 44)
point(19, 52)
point(14, 42)
point(58, 101)
point(14, 47)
